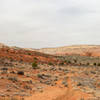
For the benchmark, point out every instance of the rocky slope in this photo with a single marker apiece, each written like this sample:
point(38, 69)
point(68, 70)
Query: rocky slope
point(71, 77)
point(27, 56)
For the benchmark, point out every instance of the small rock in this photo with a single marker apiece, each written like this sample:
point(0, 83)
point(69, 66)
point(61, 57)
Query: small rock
point(65, 83)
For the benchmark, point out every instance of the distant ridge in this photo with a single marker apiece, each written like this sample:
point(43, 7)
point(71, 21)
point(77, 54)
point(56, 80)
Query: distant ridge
point(83, 50)
point(74, 49)
point(2, 45)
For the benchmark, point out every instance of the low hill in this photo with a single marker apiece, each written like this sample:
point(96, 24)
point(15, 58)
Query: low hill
point(23, 55)
point(87, 50)
point(2, 45)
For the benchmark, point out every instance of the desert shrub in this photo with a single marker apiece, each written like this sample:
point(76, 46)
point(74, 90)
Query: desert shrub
point(94, 64)
point(79, 84)
point(29, 53)
point(27, 87)
point(75, 61)
point(14, 79)
point(82, 99)
point(35, 59)
point(50, 63)
point(39, 75)
point(62, 63)
point(4, 68)
point(98, 64)
point(69, 62)
point(12, 98)
point(88, 64)
point(15, 98)
point(80, 63)
point(34, 65)
point(93, 72)
point(20, 72)
point(98, 84)
point(21, 60)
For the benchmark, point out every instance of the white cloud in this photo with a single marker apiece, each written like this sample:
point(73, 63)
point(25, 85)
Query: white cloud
point(41, 23)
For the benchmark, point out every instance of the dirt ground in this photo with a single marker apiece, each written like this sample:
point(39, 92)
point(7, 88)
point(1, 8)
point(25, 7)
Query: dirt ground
point(19, 80)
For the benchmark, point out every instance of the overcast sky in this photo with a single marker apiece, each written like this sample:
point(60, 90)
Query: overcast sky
point(49, 23)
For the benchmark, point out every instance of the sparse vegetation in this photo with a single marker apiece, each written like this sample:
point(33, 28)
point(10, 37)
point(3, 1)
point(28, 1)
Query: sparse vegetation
point(29, 53)
point(94, 64)
point(50, 63)
point(14, 79)
point(79, 75)
point(69, 62)
point(35, 65)
point(61, 64)
point(12, 98)
point(98, 64)
point(82, 99)
point(88, 64)
point(79, 84)
point(35, 59)
point(75, 61)
point(80, 60)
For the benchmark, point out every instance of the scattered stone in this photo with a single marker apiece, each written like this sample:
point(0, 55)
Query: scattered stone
point(4, 68)
point(27, 87)
point(20, 73)
point(13, 72)
point(65, 83)
point(43, 76)
point(93, 72)
point(53, 69)
point(48, 82)
point(14, 79)
point(79, 84)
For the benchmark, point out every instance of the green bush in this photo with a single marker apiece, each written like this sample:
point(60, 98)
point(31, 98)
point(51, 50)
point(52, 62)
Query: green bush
point(29, 53)
point(62, 63)
point(35, 59)
point(69, 62)
point(34, 65)
point(50, 63)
